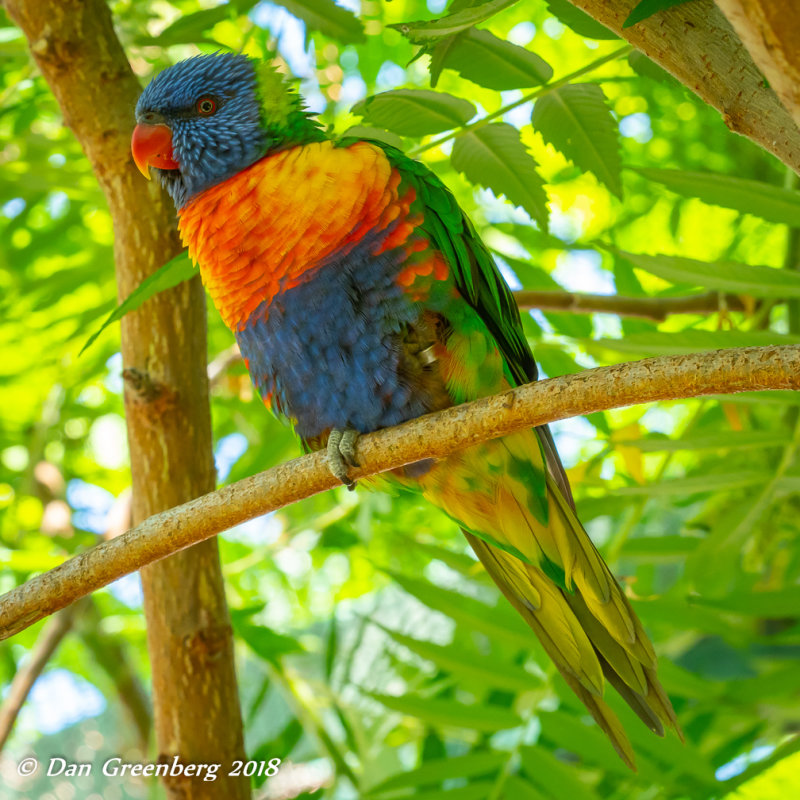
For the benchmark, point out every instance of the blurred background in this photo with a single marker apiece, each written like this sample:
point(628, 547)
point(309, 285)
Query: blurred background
point(373, 652)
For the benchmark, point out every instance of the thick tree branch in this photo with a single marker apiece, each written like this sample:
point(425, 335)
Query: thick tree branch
point(697, 45)
point(655, 308)
point(770, 30)
point(431, 436)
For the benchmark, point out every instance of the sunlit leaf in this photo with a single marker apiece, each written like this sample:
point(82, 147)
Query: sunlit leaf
point(426, 31)
point(588, 741)
point(691, 341)
point(579, 21)
point(438, 770)
point(190, 28)
point(773, 203)
point(173, 273)
point(576, 120)
point(647, 68)
point(371, 132)
point(723, 482)
point(415, 112)
point(483, 58)
point(726, 440)
point(659, 548)
point(646, 8)
point(493, 156)
point(552, 776)
point(268, 644)
point(467, 611)
point(327, 17)
point(478, 716)
point(485, 670)
point(779, 603)
point(773, 778)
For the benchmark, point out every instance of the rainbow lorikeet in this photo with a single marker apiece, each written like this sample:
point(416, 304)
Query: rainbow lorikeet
point(361, 297)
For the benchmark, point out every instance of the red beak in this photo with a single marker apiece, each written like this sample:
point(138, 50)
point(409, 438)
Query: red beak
point(151, 145)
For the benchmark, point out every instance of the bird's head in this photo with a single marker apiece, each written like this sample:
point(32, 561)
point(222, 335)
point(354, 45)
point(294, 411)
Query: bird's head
point(204, 119)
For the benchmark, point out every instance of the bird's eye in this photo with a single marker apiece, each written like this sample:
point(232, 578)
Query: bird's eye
point(206, 106)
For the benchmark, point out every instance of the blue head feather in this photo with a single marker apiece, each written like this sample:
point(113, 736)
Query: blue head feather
point(211, 148)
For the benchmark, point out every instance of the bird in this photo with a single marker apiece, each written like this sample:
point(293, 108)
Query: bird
point(361, 296)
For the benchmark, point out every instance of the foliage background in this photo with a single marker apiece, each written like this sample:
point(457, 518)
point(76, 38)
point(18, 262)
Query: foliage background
point(373, 652)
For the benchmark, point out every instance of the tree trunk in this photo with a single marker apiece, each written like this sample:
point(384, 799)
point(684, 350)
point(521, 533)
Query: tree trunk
point(166, 397)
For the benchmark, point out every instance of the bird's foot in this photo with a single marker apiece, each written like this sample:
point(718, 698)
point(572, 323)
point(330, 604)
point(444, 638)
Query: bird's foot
point(342, 454)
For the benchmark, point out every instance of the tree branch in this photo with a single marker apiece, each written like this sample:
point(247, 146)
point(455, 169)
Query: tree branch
point(46, 645)
point(432, 436)
point(696, 44)
point(770, 30)
point(656, 308)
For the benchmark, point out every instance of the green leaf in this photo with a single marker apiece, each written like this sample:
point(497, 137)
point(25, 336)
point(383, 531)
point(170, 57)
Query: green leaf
point(485, 670)
point(493, 156)
point(173, 273)
point(461, 562)
point(778, 397)
point(496, 622)
point(588, 741)
point(576, 120)
point(646, 8)
point(724, 482)
point(774, 778)
point(478, 717)
point(473, 791)
point(579, 21)
point(659, 548)
point(427, 31)
point(483, 58)
point(267, 644)
point(690, 341)
point(764, 200)
point(371, 132)
point(442, 769)
point(415, 112)
point(553, 776)
point(779, 603)
point(728, 440)
point(520, 789)
point(647, 68)
point(189, 28)
point(328, 18)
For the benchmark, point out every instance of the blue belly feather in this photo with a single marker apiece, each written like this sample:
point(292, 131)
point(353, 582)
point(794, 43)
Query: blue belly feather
point(329, 351)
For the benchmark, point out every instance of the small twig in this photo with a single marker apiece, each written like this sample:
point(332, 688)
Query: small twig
point(44, 649)
point(655, 308)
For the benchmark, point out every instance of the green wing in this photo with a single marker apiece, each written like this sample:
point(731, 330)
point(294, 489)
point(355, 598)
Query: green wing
point(480, 283)
point(476, 274)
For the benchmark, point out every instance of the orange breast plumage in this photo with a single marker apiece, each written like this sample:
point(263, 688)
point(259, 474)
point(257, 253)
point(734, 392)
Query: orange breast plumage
point(260, 232)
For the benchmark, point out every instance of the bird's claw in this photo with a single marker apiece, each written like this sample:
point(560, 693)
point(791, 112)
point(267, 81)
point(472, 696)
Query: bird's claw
point(342, 454)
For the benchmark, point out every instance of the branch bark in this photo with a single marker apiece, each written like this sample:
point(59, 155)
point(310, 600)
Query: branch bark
point(655, 308)
point(164, 345)
point(770, 30)
point(432, 436)
point(696, 44)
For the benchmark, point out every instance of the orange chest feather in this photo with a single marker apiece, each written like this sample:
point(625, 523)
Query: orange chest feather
point(260, 231)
